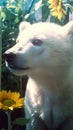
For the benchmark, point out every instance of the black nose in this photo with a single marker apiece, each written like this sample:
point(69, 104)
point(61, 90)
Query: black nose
point(9, 56)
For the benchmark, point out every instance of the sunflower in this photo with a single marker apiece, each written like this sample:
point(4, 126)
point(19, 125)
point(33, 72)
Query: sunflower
point(57, 8)
point(10, 100)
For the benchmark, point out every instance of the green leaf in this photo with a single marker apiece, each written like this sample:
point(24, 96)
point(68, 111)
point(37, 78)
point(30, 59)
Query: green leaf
point(21, 121)
point(17, 20)
point(3, 15)
point(11, 6)
point(69, 6)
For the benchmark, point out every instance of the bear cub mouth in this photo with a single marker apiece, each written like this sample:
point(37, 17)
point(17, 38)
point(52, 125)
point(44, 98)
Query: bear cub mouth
point(12, 66)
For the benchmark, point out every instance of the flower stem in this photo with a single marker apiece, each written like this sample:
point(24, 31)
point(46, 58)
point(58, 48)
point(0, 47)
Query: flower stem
point(21, 86)
point(9, 120)
point(0, 46)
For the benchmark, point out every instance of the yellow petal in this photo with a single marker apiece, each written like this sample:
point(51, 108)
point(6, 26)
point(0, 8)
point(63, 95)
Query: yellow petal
point(15, 96)
point(53, 2)
point(55, 14)
point(60, 15)
point(64, 12)
point(20, 102)
point(54, 9)
point(11, 108)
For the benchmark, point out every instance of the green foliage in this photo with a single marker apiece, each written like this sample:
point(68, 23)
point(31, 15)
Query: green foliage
point(21, 121)
point(11, 16)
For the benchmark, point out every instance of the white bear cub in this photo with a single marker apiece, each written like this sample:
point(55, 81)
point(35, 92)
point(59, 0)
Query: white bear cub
point(44, 52)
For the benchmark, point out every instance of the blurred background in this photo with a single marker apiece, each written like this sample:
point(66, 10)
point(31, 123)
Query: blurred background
point(12, 12)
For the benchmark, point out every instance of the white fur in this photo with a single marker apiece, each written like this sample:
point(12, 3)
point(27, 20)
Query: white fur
point(49, 92)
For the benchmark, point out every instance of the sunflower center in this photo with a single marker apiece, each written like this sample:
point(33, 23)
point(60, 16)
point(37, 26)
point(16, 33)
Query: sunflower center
point(8, 102)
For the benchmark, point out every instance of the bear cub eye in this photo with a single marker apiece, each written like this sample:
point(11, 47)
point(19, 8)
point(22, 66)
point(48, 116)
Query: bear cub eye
point(36, 42)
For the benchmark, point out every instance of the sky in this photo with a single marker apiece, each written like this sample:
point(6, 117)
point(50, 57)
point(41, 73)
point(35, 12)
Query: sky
point(1, 2)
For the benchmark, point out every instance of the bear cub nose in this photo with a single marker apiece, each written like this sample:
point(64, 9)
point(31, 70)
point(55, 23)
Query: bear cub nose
point(9, 56)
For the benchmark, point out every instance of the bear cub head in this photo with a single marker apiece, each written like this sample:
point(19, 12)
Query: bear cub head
point(41, 47)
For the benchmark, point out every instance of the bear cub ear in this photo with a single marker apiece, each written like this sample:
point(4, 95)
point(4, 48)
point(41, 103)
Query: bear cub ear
point(23, 25)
